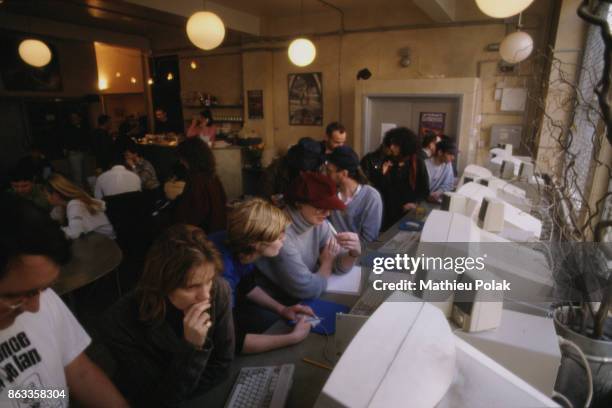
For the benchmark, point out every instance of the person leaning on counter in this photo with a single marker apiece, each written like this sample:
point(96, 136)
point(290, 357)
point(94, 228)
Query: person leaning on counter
point(202, 126)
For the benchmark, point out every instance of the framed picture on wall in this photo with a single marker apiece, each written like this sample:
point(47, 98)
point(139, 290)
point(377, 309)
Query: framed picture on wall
point(255, 104)
point(431, 122)
point(305, 99)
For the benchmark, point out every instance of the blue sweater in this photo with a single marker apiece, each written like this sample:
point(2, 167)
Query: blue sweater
point(233, 270)
point(441, 176)
point(363, 215)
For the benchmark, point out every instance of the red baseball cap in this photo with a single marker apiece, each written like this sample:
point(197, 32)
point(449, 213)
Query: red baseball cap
point(315, 189)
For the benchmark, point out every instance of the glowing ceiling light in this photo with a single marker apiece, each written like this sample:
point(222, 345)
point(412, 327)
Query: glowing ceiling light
point(502, 8)
point(34, 52)
point(205, 30)
point(302, 52)
point(193, 65)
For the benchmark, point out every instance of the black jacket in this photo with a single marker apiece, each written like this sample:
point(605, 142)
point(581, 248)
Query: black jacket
point(395, 189)
point(156, 367)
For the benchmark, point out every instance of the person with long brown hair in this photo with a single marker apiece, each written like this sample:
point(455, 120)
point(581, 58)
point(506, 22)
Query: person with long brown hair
point(203, 200)
point(83, 213)
point(173, 337)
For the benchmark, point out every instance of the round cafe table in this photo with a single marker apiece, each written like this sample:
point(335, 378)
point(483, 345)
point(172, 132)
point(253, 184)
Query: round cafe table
point(93, 256)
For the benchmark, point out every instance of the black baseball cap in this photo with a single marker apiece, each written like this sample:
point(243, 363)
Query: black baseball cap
point(344, 158)
point(447, 146)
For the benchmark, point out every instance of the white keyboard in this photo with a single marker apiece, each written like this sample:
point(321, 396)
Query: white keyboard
point(262, 387)
point(401, 243)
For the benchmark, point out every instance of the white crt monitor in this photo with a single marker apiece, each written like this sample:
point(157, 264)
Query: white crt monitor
point(406, 355)
point(528, 270)
point(518, 224)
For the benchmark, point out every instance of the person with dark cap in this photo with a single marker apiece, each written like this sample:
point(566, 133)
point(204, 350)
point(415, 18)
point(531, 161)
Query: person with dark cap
point(440, 169)
point(402, 178)
point(305, 155)
point(364, 208)
point(312, 251)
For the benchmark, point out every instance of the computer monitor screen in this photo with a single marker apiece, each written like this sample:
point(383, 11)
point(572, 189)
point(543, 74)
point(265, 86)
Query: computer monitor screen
point(468, 180)
point(484, 182)
point(483, 210)
point(446, 202)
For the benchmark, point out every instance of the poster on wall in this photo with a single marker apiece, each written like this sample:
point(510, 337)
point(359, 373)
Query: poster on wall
point(255, 104)
point(431, 122)
point(305, 99)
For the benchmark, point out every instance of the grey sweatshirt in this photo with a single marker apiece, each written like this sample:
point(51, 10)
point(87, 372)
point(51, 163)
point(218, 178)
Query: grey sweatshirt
point(294, 269)
point(362, 216)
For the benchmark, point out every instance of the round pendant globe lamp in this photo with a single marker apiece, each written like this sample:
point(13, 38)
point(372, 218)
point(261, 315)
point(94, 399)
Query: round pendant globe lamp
point(516, 47)
point(302, 52)
point(502, 8)
point(34, 52)
point(205, 30)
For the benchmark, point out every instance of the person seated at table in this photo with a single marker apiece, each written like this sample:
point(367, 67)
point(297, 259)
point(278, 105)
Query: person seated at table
point(162, 124)
point(23, 184)
point(139, 165)
point(311, 252)
point(203, 200)
point(175, 185)
point(402, 179)
point(202, 126)
point(117, 180)
point(440, 170)
point(428, 145)
point(173, 337)
point(255, 229)
point(43, 345)
point(305, 155)
point(363, 213)
point(83, 213)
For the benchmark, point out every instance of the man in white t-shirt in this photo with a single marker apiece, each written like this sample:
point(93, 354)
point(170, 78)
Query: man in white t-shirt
point(117, 180)
point(42, 346)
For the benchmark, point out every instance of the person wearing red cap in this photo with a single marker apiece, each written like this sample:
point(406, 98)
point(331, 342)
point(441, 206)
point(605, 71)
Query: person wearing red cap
point(311, 252)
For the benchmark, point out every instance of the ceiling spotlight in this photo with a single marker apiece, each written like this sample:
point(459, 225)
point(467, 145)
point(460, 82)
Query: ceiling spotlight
point(193, 65)
point(34, 52)
point(118, 74)
point(170, 77)
point(150, 81)
point(133, 80)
